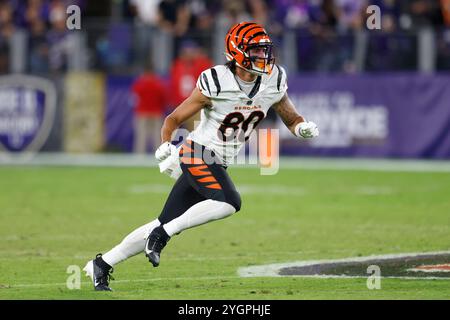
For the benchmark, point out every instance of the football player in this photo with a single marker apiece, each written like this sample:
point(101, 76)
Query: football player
point(233, 99)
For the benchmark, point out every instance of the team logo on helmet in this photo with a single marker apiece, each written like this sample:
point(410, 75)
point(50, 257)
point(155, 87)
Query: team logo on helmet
point(249, 45)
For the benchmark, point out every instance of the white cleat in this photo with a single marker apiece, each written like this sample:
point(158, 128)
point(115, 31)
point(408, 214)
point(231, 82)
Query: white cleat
point(89, 269)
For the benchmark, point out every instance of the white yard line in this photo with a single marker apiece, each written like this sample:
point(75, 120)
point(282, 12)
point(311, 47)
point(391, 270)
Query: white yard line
point(427, 271)
point(389, 165)
point(38, 285)
point(306, 163)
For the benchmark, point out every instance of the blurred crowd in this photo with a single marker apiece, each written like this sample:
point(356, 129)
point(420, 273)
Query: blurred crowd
point(166, 44)
point(319, 25)
point(156, 96)
point(186, 16)
point(43, 24)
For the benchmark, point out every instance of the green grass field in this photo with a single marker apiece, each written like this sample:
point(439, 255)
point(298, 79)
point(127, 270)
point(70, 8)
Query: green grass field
point(53, 217)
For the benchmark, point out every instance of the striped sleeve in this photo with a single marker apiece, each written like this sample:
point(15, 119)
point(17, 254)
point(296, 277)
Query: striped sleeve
point(281, 79)
point(208, 83)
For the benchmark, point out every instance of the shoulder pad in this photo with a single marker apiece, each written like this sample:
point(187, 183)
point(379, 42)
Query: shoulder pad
point(213, 81)
point(278, 79)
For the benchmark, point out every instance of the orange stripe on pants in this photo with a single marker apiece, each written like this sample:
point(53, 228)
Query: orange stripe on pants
point(207, 179)
point(197, 171)
point(214, 186)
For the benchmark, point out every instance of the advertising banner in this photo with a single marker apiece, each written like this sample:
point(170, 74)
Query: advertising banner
point(119, 113)
point(27, 112)
point(386, 115)
point(84, 112)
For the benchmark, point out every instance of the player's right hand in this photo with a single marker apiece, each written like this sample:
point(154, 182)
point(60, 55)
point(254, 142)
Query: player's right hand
point(164, 151)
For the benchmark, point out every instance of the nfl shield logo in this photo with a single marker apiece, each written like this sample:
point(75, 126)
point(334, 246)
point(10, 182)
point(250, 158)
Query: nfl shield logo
point(27, 112)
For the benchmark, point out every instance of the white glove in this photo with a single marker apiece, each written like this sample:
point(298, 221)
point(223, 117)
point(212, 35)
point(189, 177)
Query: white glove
point(164, 151)
point(307, 129)
point(171, 166)
point(168, 160)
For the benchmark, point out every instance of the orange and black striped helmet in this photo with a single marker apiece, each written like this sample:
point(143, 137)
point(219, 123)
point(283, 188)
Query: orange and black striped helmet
point(245, 38)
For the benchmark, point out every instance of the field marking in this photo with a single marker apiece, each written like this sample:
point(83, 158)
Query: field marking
point(324, 276)
point(169, 258)
point(57, 284)
point(431, 268)
point(427, 271)
point(272, 270)
point(305, 163)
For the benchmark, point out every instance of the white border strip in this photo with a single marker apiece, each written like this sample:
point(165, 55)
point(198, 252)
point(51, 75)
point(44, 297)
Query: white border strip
point(389, 165)
point(272, 270)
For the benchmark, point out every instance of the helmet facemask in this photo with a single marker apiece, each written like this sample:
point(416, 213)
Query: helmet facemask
point(259, 58)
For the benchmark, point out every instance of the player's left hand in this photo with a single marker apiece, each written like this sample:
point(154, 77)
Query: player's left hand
point(307, 129)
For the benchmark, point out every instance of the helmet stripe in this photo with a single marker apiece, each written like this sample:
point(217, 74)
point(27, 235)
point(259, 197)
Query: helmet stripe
point(230, 33)
point(233, 28)
point(228, 43)
point(248, 30)
point(242, 27)
point(257, 34)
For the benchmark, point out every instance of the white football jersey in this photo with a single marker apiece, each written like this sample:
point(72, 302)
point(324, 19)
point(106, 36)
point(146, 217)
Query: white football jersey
point(233, 115)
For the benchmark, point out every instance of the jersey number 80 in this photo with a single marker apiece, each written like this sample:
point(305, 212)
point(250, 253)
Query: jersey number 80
point(239, 125)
